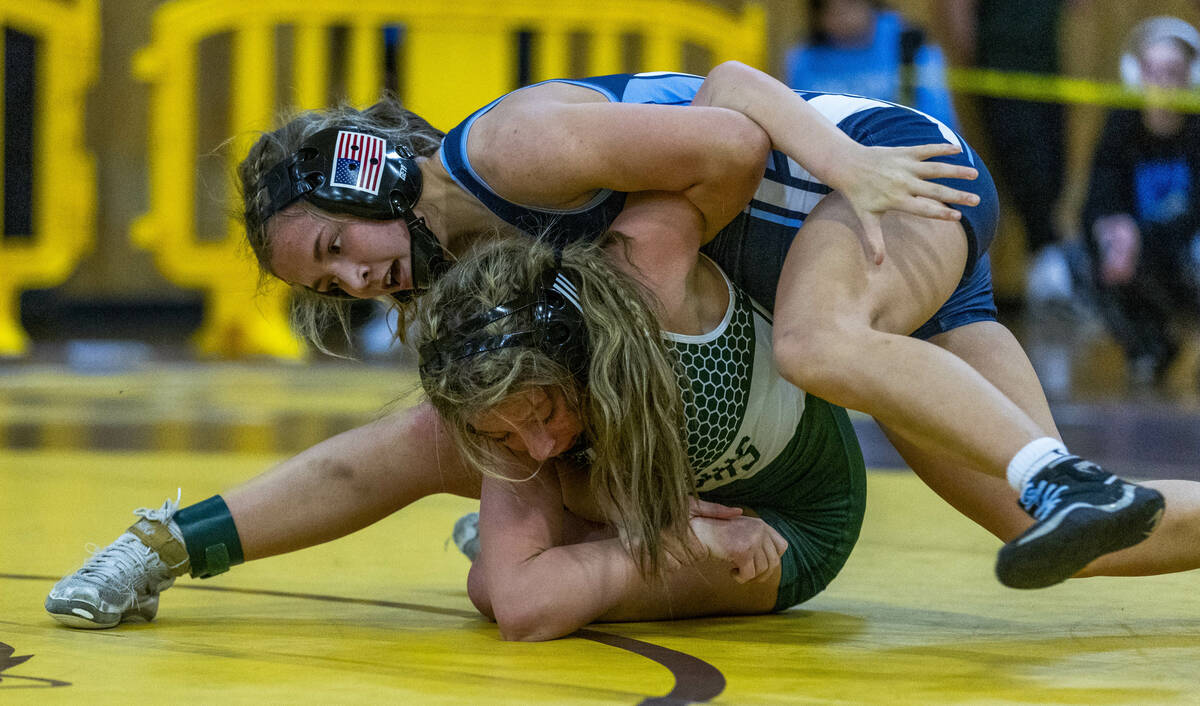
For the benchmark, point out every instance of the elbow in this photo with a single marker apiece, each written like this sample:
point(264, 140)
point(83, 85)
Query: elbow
point(750, 146)
point(477, 591)
point(757, 149)
point(523, 618)
point(517, 610)
point(732, 84)
point(730, 73)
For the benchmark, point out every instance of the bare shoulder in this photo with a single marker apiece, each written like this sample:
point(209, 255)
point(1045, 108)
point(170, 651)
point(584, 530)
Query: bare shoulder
point(527, 147)
point(522, 120)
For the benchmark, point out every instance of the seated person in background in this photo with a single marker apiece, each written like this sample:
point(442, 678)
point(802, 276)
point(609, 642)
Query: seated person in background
point(860, 47)
point(1142, 214)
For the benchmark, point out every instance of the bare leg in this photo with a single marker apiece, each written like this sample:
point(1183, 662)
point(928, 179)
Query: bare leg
point(348, 482)
point(1174, 546)
point(842, 325)
point(332, 489)
point(990, 348)
point(840, 333)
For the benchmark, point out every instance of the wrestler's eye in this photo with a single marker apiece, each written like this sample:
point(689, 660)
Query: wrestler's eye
point(335, 245)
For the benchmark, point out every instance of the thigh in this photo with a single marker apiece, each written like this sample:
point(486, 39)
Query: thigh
point(827, 277)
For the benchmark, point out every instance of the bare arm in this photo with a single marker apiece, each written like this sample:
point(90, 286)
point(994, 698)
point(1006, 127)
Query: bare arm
point(874, 179)
point(549, 153)
point(537, 588)
point(534, 588)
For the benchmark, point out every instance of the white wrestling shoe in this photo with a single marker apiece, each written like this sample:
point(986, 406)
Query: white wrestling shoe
point(466, 535)
point(123, 580)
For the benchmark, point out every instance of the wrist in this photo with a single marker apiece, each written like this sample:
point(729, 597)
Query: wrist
point(697, 547)
point(839, 168)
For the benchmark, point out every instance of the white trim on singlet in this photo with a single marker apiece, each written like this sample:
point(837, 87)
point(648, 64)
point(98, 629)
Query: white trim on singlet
point(720, 329)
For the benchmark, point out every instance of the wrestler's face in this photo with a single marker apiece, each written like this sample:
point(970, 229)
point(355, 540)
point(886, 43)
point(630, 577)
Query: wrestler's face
point(537, 422)
point(326, 253)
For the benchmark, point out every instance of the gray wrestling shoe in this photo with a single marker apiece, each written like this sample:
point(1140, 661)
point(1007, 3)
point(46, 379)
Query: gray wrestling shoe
point(466, 535)
point(123, 580)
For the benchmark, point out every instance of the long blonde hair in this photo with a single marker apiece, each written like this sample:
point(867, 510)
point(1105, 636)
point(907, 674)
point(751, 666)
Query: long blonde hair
point(631, 406)
point(311, 313)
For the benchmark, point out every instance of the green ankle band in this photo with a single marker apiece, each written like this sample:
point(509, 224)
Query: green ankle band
point(210, 536)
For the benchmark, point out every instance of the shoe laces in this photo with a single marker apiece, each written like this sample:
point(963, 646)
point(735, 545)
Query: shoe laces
point(164, 513)
point(127, 562)
point(124, 564)
point(1041, 498)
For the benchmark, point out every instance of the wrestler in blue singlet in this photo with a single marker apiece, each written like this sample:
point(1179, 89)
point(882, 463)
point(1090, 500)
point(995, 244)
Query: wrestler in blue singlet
point(752, 248)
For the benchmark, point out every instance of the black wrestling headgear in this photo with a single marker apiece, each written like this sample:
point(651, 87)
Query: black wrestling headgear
point(553, 324)
point(341, 170)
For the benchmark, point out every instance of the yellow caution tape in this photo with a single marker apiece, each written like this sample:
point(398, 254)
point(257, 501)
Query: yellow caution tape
point(1062, 89)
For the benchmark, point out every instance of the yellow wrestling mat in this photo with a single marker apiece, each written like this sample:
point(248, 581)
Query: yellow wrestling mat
point(382, 616)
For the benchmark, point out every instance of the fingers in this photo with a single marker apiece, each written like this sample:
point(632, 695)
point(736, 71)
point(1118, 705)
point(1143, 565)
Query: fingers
point(778, 541)
point(754, 566)
point(942, 193)
point(704, 508)
point(933, 149)
point(930, 208)
point(942, 170)
point(872, 236)
point(759, 564)
point(778, 545)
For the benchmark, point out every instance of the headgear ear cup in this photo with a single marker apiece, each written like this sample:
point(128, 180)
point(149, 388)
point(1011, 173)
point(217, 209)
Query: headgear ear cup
point(340, 170)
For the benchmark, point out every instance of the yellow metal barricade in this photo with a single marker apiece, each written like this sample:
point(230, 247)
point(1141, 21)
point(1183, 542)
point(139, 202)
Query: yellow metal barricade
point(62, 212)
point(456, 57)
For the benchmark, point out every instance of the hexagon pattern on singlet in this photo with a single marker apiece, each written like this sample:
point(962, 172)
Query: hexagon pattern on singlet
point(715, 382)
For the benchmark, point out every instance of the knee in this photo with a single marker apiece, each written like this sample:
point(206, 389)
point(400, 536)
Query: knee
point(815, 358)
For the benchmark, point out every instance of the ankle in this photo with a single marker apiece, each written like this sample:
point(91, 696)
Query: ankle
point(1032, 458)
point(166, 541)
point(210, 536)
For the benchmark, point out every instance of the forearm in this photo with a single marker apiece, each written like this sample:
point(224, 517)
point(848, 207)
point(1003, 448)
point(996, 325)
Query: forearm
point(564, 588)
point(793, 126)
point(561, 589)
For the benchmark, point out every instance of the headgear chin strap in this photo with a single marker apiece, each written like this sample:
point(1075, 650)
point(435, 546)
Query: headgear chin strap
point(554, 326)
point(359, 174)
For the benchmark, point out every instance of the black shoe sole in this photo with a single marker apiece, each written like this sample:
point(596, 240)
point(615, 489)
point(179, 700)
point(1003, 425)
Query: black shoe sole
point(1058, 547)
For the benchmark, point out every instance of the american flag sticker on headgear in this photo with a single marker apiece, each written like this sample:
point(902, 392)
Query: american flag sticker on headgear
point(358, 161)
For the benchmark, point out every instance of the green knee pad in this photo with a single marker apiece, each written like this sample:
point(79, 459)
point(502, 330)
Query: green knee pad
point(210, 536)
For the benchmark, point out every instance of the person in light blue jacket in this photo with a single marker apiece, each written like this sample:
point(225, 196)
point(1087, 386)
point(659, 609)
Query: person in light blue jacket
point(863, 48)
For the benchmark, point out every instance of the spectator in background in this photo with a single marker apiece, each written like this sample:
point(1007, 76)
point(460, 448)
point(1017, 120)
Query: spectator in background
point(1142, 214)
point(861, 47)
point(1026, 139)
